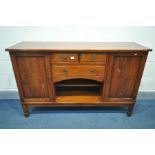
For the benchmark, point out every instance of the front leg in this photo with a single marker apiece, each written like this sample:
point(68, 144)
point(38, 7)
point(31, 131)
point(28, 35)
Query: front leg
point(130, 110)
point(25, 110)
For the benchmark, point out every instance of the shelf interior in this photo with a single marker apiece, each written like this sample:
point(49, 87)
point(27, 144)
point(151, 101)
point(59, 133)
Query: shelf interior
point(78, 87)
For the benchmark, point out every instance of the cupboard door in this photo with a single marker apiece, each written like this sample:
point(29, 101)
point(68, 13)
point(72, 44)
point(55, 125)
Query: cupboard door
point(34, 77)
point(123, 76)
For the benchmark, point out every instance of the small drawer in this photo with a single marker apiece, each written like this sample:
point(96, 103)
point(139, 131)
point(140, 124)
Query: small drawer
point(79, 70)
point(93, 57)
point(65, 57)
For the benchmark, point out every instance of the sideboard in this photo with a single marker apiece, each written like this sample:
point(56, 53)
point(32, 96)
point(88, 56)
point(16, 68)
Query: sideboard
point(83, 74)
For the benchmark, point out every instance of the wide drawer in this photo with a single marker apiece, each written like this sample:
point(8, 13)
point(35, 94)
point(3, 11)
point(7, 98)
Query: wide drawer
point(93, 57)
point(65, 57)
point(80, 70)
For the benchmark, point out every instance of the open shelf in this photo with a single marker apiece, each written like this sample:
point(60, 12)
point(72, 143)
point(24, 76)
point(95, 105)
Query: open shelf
point(78, 87)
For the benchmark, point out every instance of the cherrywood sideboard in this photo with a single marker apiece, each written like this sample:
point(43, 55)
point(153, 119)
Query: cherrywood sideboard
point(90, 74)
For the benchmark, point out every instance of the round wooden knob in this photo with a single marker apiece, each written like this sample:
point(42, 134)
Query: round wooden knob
point(65, 57)
point(65, 71)
point(92, 71)
point(93, 57)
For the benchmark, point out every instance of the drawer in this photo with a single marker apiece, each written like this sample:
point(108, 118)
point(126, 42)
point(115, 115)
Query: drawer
point(93, 57)
point(79, 70)
point(65, 57)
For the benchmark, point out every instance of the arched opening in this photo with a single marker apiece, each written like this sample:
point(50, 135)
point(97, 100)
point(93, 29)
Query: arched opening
point(78, 87)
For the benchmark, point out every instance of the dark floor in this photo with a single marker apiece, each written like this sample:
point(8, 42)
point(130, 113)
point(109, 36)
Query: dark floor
point(11, 116)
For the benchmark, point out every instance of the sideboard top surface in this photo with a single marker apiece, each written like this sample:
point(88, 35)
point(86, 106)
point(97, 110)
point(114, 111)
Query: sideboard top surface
point(77, 46)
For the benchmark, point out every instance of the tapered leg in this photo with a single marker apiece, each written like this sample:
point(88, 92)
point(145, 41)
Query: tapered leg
point(25, 110)
point(130, 109)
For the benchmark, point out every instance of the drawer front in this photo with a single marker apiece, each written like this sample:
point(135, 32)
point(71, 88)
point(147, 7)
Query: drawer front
point(61, 78)
point(65, 57)
point(80, 70)
point(92, 57)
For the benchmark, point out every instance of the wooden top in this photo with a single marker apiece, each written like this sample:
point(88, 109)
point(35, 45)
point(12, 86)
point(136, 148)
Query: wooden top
point(77, 46)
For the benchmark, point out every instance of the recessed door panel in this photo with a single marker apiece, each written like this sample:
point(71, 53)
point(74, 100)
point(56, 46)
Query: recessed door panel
point(123, 76)
point(32, 71)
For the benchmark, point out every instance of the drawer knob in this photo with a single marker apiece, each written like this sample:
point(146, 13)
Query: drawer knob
point(65, 71)
point(135, 54)
point(94, 57)
point(65, 57)
point(92, 71)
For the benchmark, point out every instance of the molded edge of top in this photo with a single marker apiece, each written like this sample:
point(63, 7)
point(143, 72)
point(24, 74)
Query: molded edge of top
point(77, 46)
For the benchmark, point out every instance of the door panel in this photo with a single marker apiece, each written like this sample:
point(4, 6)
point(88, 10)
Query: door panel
point(32, 72)
point(123, 76)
